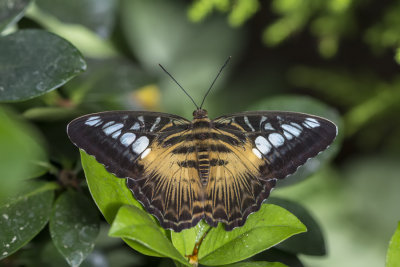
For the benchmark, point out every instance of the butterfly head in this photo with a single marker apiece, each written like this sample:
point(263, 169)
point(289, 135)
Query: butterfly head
point(200, 114)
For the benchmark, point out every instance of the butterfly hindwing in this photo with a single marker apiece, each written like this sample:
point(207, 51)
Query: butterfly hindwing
point(235, 188)
point(169, 185)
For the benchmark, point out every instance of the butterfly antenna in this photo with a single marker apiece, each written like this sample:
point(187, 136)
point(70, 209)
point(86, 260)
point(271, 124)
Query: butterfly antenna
point(178, 85)
point(209, 89)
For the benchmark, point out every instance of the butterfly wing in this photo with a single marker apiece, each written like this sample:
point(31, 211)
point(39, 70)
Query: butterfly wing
point(261, 147)
point(138, 146)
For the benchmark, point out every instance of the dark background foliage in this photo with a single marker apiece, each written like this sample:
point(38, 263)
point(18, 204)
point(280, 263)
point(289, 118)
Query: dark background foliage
point(337, 57)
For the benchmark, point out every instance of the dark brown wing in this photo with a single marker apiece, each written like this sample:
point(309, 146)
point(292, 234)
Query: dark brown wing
point(139, 146)
point(260, 147)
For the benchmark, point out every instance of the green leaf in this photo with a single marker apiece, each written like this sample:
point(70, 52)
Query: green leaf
point(134, 223)
point(110, 194)
point(11, 11)
point(256, 264)
point(23, 217)
point(312, 106)
point(186, 240)
point(34, 62)
point(393, 254)
point(74, 226)
point(22, 155)
point(263, 229)
point(309, 243)
point(97, 15)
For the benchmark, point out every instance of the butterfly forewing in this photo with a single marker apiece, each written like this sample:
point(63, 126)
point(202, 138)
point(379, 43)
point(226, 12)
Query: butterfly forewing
point(283, 140)
point(117, 139)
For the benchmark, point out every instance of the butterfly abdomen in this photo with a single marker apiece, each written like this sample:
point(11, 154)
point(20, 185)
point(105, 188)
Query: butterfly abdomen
point(201, 132)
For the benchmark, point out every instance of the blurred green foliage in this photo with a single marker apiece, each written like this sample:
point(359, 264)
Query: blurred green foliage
point(336, 58)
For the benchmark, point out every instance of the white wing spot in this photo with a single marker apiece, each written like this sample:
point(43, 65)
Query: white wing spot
point(135, 126)
point(288, 135)
point(140, 144)
point(263, 118)
point(276, 139)
point(116, 134)
point(92, 122)
point(108, 124)
point(93, 118)
point(257, 153)
point(263, 145)
point(246, 120)
point(113, 128)
point(141, 119)
point(296, 125)
point(291, 130)
point(127, 139)
point(145, 153)
point(268, 126)
point(311, 123)
point(155, 124)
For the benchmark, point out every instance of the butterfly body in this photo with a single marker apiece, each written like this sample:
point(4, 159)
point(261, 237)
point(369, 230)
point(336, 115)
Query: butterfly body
point(219, 170)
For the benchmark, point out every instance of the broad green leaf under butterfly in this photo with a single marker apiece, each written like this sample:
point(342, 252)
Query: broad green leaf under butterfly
point(186, 240)
point(264, 229)
point(134, 224)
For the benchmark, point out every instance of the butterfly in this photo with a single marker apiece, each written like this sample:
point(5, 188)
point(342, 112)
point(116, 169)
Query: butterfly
point(218, 170)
